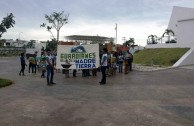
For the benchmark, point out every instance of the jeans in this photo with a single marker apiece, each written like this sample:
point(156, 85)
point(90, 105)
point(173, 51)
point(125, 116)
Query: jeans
point(22, 69)
point(120, 66)
point(33, 68)
point(50, 74)
point(103, 70)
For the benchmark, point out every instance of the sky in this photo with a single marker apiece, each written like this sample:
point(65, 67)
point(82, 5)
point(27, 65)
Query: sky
point(134, 18)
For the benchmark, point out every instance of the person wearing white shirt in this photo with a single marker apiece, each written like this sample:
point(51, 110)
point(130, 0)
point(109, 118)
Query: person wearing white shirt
point(50, 69)
point(132, 51)
point(103, 64)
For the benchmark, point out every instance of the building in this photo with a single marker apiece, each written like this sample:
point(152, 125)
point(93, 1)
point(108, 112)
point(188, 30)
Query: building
point(182, 24)
point(83, 39)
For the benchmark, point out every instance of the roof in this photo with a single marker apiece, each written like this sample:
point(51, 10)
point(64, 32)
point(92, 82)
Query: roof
point(88, 38)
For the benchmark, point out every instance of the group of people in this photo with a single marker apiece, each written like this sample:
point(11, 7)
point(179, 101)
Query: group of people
point(108, 64)
point(110, 61)
point(47, 63)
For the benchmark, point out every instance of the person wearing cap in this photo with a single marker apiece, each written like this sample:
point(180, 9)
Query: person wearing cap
point(103, 64)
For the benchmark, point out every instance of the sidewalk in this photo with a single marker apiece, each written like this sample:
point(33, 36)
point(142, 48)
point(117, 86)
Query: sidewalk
point(154, 98)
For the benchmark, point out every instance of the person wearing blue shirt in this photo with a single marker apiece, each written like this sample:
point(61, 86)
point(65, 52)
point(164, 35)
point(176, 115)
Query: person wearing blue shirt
point(23, 64)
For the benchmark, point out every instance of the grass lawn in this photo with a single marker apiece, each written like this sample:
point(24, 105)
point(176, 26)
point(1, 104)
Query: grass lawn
point(159, 56)
point(5, 82)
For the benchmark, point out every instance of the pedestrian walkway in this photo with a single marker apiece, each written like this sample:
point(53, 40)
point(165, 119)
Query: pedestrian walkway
point(191, 67)
point(140, 98)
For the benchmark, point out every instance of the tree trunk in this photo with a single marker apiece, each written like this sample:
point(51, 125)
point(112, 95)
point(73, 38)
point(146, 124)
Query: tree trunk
point(168, 38)
point(57, 36)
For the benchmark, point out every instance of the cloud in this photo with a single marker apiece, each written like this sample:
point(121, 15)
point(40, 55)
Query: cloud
point(136, 19)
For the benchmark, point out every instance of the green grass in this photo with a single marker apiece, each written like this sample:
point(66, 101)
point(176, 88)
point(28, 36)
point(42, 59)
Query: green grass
point(159, 56)
point(5, 82)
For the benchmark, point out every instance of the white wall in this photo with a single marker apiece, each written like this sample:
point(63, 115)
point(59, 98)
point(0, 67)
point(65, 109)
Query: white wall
point(186, 59)
point(185, 33)
point(179, 13)
point(163, 45)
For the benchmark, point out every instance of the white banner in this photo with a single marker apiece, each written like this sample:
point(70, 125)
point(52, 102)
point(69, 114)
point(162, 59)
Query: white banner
point(77, 56)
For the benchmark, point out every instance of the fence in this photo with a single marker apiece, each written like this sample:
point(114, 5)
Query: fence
point(12, 51)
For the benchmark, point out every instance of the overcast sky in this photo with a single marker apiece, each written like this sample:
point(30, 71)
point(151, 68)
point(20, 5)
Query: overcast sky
point(135, 18)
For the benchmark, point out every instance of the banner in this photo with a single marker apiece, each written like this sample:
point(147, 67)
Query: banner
point(78, 56)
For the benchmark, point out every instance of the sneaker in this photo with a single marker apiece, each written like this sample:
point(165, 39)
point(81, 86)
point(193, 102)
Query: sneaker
point(53, 83)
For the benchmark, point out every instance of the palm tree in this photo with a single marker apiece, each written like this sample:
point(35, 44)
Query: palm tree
point(6, 23)
point(169, 33)
point(130, 42)
point(152, 39)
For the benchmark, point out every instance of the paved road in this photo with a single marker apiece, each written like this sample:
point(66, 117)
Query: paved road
point(157, 98)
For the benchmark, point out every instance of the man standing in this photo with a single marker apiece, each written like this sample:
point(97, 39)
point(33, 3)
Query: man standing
point(103, 64)
point(50, 69)
point(23, 64)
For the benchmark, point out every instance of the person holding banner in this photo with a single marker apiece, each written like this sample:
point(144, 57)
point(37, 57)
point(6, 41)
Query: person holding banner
point(50, 68)
point(103, 64)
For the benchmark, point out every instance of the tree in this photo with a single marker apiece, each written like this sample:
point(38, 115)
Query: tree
point(51, 45)
point(169, 33)
point(152, 39)
point(130, 42)
point(57, 20)
point(6, 23)
point(31, 44)
point(2, 41)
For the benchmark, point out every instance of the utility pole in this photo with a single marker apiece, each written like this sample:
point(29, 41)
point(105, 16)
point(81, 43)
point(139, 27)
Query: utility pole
point(19, 38)
point(116, 37)
point(116, 34)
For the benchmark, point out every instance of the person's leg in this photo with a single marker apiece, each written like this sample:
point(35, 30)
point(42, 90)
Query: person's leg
point(29, 67)
point(103, 69)
point(52, 74)
point(131, 64)
point(121, 67)
point(20, 71)
point(23, 68)
point(126, 67)
point(104, 75)
point(48, 75)
point(35, 68)
point(32, 68)
point(74, 73)
point(42, 75)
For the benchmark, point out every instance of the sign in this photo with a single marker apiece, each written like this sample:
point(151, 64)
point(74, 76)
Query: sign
point(77, 56)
